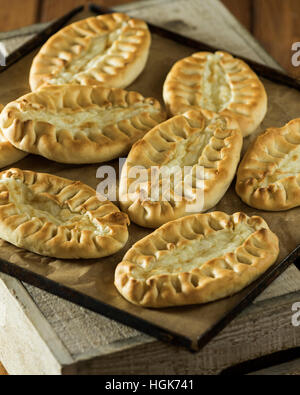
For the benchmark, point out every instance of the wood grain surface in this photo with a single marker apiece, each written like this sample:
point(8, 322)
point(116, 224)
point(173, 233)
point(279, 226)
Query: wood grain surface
point(52, 8)
point(275, 23)
point(13, 13)
point(242, 10)
point(276, 26)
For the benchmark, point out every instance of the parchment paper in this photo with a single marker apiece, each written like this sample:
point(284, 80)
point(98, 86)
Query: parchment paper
point(95, 278)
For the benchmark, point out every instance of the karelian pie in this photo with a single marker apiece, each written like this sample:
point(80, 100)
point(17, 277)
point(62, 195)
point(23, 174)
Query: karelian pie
point(59, 218)
point(79, 124)
point(110, 50)
point(217, 82)
point(182, 166)
point(269, 175)
point(196, 259)
point(8, 153)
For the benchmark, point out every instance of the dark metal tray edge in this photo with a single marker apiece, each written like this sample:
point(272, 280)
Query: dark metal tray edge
point(140, 324)
point(39, 38)
point(261, 69)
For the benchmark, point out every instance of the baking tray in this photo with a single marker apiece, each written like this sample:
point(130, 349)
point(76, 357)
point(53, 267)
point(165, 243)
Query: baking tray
point(90, 283)
point(39, 38)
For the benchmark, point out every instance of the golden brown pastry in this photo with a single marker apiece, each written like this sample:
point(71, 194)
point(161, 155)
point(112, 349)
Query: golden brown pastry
point(269, 174)
point(59, 218)
point(220, 83)
point(79, 124)
point(111, 50)
point(196, 259)
point(8, 153)
point(200, 147)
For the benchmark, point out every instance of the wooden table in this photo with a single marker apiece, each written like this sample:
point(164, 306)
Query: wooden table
point(273, 22)
point(42, 334)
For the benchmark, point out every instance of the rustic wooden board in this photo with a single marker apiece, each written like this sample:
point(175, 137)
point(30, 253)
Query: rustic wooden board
point(15, 14)
point(253, 334)
point(291, 368)
point(86, 343)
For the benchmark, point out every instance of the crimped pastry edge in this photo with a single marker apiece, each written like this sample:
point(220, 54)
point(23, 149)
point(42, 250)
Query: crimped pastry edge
point(154, 214)
point(57, 52)
point(256, 165)
point(64, 147)
point(8, 153)
point(54, 240)
point(216, 279)
point(248, 114)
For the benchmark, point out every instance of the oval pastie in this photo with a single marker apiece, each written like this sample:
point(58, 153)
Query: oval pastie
point(79, 124)
point(8, 153)
point(59, 218)
point(217, 82)
point(196, 259)
point(111, 50)
point(195, 156)
point(269, 175)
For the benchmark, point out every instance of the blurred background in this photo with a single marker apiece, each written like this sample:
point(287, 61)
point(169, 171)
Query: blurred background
point(275, 23)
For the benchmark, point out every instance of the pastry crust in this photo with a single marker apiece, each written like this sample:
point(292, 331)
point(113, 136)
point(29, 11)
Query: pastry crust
point(209, 144)
point(196, 259)
point(220, 83)
point(8, 153)
point(111, 50)
point(269, 175)
point(79, 124)
point(59, 218)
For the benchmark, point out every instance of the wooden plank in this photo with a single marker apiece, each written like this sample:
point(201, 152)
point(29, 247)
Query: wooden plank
point(260, 330)
point(16, 14)
point(51, 9)
point(81, 331)
point(276, 26)
point(274, 23)
point(287, 283)
point(114, 349)
point(286, 369)
point(242, 10)
point(252, 335)
point(34, 347)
